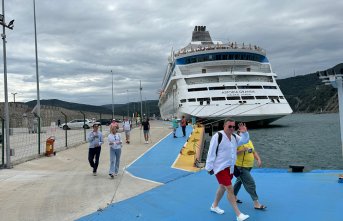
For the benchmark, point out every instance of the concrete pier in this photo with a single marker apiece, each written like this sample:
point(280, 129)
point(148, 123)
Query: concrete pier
point(62, 187)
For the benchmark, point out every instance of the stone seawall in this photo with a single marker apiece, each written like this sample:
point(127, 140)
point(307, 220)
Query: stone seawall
point(21, 115)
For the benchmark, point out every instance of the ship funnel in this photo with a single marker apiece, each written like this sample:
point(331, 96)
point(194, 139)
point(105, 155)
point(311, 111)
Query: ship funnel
point(200, 34)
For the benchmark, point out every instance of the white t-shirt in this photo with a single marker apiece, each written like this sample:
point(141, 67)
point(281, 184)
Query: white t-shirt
point(127, 125)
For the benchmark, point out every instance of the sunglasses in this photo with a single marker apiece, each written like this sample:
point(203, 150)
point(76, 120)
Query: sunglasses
point(231, 126)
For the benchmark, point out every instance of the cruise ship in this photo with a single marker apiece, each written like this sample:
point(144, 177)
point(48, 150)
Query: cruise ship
point(212, 80)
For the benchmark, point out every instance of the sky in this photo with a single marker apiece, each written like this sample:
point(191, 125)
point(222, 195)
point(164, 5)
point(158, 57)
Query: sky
point(82, 44)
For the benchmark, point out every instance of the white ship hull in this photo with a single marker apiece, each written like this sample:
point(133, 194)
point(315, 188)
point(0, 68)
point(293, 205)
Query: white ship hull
point(264, 111)
point(213, 82)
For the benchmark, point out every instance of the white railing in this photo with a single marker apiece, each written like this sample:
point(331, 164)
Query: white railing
point(229, 46)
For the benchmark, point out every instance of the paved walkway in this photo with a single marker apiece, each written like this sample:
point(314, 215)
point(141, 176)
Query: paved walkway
point(63, 187)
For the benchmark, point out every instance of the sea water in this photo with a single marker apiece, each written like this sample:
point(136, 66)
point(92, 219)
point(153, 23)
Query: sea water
point(311, 140)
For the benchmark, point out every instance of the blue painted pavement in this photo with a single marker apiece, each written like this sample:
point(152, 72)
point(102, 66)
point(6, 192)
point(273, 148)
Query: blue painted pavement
point(156, 163)
point(314, 196)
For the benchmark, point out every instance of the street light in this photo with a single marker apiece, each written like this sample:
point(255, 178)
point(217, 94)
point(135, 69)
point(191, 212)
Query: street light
point(7, 125)
point(37, 75)
point(146, 112)
point(128, 104)
point(140, 91)
point(14, 96)
point(112, 97)
point(10, 25)
point(334, 77)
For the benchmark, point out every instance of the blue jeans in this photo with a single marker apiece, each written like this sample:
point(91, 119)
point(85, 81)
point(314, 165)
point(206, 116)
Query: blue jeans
point(114, 160)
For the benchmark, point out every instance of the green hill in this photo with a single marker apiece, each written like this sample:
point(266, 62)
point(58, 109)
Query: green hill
point(71, 106)
point(149, 107)
point(307, 93)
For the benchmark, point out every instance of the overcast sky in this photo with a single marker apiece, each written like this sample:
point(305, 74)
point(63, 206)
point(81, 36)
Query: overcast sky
point(81, 41)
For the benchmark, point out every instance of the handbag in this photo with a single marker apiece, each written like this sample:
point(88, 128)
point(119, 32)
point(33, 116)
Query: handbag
point(236, 171)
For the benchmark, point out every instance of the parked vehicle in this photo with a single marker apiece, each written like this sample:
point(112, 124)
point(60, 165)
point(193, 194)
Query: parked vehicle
point(104, 121)
point(118, 120)
point(78, 123)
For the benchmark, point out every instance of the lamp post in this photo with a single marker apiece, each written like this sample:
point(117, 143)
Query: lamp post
point(7, 125)
point(134, 108)
point(112, 97)
point(334, 77)
point(37, 76)
point(140, 91)
point(14, 96)
point(146, 112)
point(128, 104)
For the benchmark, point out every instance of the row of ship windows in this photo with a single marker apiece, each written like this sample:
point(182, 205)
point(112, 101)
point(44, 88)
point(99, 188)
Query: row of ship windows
point(230, 87)
point(231, 98)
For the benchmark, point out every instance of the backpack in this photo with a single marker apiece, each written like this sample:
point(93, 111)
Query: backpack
point(220, 137)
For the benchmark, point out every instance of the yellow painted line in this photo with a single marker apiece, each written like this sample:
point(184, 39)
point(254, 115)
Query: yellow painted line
point(186, 158)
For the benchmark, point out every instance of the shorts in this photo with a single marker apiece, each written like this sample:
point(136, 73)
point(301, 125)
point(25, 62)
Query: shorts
point(127, 132)
point(224, 177)
point(146, 131)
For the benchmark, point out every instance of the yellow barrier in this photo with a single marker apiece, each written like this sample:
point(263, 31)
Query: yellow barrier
point(188, 153)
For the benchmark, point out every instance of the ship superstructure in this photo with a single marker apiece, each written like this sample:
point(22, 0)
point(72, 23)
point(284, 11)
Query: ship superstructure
point(214, 80)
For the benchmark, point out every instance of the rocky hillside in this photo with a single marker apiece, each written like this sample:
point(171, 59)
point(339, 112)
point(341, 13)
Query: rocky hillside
point(307, 93)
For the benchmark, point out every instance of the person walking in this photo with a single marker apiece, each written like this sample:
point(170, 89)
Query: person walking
point(146, 129)
point(115, 144)
point(175, 126)
point(95, 140)
point(127, 126)
point(246, 154)
point(220, 161)
point(183, 125)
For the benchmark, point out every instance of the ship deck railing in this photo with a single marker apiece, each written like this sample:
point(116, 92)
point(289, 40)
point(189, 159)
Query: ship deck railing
point(191, 49)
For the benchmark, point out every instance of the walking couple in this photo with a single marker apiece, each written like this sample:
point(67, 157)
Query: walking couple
point(221, 159)
point(95, 140)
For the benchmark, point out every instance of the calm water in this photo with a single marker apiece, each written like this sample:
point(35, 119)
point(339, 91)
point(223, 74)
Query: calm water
point(312, 140)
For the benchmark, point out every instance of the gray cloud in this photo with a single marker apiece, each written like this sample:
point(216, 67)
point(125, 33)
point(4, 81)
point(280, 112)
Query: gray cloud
point(81, 41)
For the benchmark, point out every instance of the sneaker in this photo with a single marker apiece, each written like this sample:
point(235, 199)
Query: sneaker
point(116, 174)
point(217, 210)
point(242, 217)
point(94, 173)
point(111, 175)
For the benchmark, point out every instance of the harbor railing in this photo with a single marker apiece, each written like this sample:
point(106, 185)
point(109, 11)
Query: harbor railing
point(28, 139)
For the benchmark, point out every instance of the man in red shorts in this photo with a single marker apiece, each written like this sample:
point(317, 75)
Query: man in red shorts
point(221, 158)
